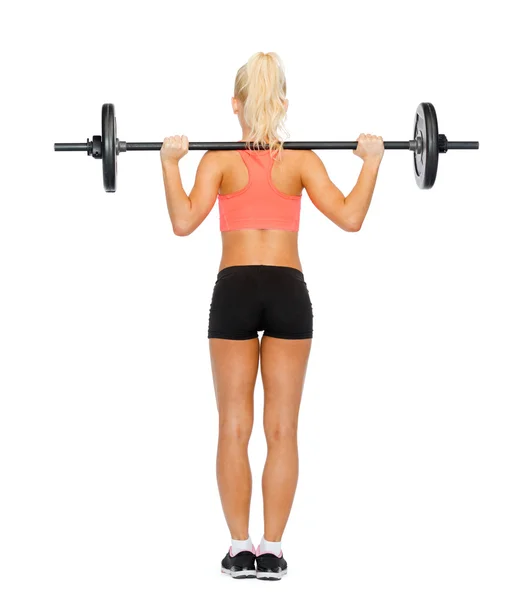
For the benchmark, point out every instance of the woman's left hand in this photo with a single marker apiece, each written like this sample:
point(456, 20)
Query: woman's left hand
point(174, 148)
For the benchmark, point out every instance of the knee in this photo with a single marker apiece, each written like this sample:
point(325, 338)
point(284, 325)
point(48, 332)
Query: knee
point(235, 430)
point(277, 433)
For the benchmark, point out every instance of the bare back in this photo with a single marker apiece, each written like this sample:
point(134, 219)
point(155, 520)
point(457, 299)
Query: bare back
point(261, 246)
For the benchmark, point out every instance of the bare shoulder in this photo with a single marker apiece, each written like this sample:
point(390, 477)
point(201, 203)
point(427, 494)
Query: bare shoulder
point(212, 158)
point(294, 158)
point(305, 158)
point(222, 160)
point(302, 162)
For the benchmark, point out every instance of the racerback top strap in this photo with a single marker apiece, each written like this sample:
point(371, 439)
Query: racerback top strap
point(259, 205)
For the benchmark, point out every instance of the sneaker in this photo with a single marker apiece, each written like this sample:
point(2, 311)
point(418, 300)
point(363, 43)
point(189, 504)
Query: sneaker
point(271, 567)
point(239, 566)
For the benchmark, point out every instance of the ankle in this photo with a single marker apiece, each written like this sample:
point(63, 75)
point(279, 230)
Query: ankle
point(268, 546)
point(241, 545)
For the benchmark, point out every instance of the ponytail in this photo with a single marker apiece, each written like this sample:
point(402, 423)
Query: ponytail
point(260, 85)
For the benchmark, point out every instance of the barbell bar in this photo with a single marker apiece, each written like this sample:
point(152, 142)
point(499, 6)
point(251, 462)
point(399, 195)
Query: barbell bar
point(426, 145)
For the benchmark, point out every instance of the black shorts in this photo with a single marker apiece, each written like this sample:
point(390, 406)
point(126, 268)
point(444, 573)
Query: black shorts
point(251, 298)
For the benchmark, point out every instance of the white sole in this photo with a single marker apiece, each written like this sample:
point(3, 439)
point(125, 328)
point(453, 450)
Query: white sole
point(270, 575)
point(239, 574)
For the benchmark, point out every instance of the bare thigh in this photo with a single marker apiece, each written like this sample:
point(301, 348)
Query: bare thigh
point(283, 368)
point(235, 364)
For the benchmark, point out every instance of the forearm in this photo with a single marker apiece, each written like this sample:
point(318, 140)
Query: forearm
point(178, 203)
point(357, 203)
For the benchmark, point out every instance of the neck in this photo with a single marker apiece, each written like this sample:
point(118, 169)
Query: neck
point(246, 135)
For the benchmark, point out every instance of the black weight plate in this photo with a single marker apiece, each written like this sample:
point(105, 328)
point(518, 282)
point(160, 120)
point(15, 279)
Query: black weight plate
point(108, 136)
point(426, 161)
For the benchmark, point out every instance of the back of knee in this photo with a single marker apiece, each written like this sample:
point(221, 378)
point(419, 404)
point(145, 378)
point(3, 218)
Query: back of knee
point(234, 430)
point(280, 433)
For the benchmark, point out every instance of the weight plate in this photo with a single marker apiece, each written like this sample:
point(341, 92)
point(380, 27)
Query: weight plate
point(108, 136)
point(426, 157)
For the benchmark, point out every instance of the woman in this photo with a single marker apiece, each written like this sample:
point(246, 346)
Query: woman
point(260, 287)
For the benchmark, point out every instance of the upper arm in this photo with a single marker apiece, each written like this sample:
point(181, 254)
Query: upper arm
point(206, 187)
point(321, 190)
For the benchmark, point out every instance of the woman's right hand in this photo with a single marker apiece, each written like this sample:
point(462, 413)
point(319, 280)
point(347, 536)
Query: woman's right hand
point(370, 147)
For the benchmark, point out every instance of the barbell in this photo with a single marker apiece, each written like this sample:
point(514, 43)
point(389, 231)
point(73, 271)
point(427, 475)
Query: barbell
point(427, 144)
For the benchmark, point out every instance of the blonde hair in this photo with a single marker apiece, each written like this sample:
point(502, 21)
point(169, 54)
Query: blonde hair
point(260, 85)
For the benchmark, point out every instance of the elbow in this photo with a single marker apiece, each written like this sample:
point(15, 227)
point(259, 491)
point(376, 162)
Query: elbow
point(181, 229)
point(352, 220)
point(352, 226)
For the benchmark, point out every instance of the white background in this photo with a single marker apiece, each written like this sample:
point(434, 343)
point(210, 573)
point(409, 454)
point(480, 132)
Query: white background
point(409, 433)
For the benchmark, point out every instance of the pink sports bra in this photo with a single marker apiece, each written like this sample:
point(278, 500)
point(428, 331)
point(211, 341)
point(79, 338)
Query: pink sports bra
point(259, 205)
